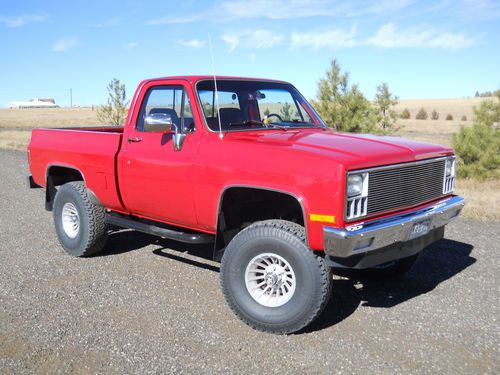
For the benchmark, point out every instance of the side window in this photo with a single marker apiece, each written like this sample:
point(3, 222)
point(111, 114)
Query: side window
point(169, 100)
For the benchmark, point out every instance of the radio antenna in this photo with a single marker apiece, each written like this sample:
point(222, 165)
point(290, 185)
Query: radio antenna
point(215, 86)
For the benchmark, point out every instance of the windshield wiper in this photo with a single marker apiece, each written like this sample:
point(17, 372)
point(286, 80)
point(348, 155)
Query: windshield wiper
point(246, 122)
point(257, 122)
point(303, 122)
point(274, 126)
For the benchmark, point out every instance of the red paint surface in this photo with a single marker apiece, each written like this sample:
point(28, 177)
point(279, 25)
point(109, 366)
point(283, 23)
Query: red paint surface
point(150, 180)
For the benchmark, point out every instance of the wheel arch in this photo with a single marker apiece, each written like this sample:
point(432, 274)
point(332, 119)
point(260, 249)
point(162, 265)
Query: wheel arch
point(299, 207)
point(58, 174)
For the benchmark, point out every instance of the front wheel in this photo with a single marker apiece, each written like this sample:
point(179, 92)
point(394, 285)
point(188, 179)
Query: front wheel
point(271, 280)
point(80, 223)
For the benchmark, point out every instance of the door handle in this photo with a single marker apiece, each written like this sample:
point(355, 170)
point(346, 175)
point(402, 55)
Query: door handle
point(134, 139)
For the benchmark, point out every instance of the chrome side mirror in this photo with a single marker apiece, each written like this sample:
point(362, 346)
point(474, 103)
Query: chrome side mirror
point(158, 122)
point(178, 138)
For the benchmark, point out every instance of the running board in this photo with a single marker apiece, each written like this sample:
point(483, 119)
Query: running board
point(192, 238)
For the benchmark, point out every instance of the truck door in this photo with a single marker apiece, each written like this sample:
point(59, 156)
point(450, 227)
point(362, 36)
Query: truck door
point(156, 180)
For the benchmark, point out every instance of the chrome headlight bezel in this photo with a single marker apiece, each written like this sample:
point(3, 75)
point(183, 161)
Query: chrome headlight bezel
point(450, 168)
point(356, 195)
point(356, 184)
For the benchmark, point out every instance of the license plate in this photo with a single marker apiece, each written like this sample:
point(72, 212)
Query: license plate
point(420, 228)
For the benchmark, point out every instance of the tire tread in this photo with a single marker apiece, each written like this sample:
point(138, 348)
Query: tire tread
point(280, 227)
point(96, 215)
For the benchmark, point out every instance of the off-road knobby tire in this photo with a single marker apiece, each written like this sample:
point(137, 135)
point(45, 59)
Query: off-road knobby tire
point(313, 277)
point(391, 270)
point(92, 234)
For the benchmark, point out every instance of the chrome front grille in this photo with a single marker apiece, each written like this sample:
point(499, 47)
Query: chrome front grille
point(394, 187)
point(405, 185)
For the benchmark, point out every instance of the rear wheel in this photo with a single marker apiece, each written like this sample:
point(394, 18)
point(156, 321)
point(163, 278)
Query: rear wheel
point(271, 280)
point(80, 223)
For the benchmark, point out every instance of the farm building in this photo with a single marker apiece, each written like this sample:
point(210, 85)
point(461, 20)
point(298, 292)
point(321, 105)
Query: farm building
point(35, 103)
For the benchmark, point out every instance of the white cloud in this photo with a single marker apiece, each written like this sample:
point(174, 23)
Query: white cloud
point(193, 43)
point(131, 45)
point(232, 40)
point(390, 36)
point(388, 6)
point(173, 19)
point(247, 9)
point(336, 38)
point(110, 22)
point(18, 21)
point(64, 45)
point(276, 9)
point(252, 39)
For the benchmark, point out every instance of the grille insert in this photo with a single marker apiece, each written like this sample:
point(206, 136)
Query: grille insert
point(401, 186)
point(405, 186)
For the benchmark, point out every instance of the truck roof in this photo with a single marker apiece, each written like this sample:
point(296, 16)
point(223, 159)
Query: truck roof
point(196, 78)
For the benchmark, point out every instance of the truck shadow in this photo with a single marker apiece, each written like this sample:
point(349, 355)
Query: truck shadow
point(439, 262)
point(123, 241)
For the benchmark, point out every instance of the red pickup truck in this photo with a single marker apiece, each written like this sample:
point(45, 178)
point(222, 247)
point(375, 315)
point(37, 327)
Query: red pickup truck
point(248, 165)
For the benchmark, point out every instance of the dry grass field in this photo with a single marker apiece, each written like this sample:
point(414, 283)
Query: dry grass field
point(436, 131)
point(46, 117)
point(483, 198)
point(16, 124)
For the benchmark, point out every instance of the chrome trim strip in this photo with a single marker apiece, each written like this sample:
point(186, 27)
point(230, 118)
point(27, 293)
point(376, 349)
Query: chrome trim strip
point(365, 237)
point(90, 130)
point(392, 166)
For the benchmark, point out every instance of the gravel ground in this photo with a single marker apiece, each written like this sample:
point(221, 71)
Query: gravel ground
point(152, 306)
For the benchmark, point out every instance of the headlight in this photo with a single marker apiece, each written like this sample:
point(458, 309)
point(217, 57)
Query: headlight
point(357, 184)
point(354, 185)
point(449, 167)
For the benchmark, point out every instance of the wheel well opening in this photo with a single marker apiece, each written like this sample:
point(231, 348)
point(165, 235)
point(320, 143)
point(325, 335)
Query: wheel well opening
point(56, 176)
point(241, 207)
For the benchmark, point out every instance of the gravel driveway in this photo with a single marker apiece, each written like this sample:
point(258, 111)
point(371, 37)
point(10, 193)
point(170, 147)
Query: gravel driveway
point(153, 306)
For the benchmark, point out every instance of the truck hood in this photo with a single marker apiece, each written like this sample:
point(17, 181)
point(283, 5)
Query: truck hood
point(353, 150)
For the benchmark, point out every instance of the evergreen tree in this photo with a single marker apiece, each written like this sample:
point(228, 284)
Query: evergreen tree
point(115, 111)
point(286, 112)
point(405, 114)
point(384, 106)
point(342, 105)
point(421, 114)
point(478, 146)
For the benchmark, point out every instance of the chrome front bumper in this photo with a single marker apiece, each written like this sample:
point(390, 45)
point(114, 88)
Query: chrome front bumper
point(365, 237)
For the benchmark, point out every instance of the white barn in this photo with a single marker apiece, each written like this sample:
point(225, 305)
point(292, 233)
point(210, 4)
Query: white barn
point(35, 103)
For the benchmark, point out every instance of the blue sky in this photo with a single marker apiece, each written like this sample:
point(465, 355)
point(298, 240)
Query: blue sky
point(422, 49)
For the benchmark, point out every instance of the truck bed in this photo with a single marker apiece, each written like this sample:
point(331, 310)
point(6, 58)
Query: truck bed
point(91, 150)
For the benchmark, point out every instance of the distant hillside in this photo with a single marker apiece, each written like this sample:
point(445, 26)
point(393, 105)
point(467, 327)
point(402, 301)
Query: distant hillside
point(456, 107)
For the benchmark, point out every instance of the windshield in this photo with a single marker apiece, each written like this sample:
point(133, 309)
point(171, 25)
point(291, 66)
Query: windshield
point(248, 105)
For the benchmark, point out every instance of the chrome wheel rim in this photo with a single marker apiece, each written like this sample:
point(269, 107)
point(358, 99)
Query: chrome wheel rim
point(270, 280)
point(70, 220)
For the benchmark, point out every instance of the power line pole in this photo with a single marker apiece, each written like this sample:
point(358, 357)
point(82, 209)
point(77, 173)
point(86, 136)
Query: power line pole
point(71, 98)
